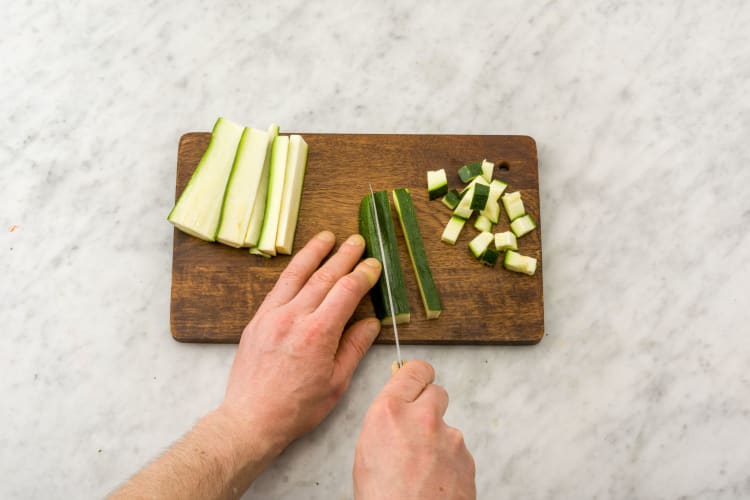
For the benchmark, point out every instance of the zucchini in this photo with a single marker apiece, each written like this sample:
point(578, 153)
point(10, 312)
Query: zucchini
point(197, 211)
point(243, 187)
point(480, 243)
point(492, 210)
point(437, 183)
point(470, 171)
point(451, 199)
point(291, 195)
point(477, 180)
point(463, 209)
point(452, 230)
point(489, 257)
point(522, 225)
point(276, 172)
point(513, 205)
point(482, 224)
point(480, 196)
point(514, 261)
point(496, 189)
point(408, 218)
point(487, 168)
point(506, 241)
point(370, 217)
point(252, 236)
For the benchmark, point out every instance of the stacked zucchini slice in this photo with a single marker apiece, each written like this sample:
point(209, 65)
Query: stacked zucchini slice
point(246, 189)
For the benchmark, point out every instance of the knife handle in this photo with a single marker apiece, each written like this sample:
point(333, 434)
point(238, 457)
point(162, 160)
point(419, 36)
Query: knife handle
point(395, 367)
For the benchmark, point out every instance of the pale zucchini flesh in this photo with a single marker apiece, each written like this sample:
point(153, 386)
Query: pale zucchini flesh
point(514, 261)
point(492, 210)
point(522, 225)
point(437, 183)
point(480, 243)
point(197, 211)
point(252, 236)
point(487, 168)
point(506, 241)
point(276, 173)
point(513, 205)
point(463, 209)
point(291, 197)
point(243, 187)
point(414, 243)
point(452, 230)
point(496, 189)
point(482, 224)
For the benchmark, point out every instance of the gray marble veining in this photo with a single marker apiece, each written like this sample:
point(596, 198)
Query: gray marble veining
point(640, 388)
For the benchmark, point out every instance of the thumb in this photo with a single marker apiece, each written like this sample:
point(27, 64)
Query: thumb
point(353, 345)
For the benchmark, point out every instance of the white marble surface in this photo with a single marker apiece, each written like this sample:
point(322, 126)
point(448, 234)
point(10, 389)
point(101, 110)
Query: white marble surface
point(642, 116)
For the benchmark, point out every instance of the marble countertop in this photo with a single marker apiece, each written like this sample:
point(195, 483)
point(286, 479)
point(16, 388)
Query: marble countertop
point(641, 112)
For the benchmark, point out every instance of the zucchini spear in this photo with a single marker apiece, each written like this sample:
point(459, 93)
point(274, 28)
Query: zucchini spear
point(368, 229)
point(408, 218)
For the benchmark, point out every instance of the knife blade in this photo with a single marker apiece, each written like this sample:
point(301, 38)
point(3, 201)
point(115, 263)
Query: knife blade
point(399, 361)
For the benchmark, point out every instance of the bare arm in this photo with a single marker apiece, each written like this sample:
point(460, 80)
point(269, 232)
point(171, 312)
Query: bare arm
point(293, 364)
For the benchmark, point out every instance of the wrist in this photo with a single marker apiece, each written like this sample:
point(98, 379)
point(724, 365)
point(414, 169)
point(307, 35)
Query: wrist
point(252, 441)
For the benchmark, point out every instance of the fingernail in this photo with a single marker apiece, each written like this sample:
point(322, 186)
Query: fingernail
point(372, 262)
point(326, 236)
point(374, 274)
point(355, 240)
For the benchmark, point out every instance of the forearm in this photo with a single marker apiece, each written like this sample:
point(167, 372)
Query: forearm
point(218, 459)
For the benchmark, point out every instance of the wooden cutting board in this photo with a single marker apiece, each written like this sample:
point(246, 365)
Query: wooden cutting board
point(216, 289)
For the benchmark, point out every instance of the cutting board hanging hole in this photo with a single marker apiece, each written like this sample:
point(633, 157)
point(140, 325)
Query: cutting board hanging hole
point(503, 167)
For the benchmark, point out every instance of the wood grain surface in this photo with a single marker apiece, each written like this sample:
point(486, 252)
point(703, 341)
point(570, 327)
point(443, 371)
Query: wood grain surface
point(216, 289)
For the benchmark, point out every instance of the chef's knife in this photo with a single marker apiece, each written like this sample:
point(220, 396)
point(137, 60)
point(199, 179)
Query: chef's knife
point(399, 362)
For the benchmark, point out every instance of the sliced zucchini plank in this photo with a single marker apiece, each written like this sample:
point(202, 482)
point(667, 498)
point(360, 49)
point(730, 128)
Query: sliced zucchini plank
point(408, 218)
point(198, 209)
point(291, 196)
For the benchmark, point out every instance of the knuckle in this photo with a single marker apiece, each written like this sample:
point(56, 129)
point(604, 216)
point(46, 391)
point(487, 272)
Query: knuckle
point(420, 371)
point(388, 408)
point(324, 276)
point(351, 284)
point(456, 438)
point(292, 274)
point(430, 420)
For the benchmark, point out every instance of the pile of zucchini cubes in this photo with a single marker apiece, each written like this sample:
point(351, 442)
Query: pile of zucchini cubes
point(482, 195)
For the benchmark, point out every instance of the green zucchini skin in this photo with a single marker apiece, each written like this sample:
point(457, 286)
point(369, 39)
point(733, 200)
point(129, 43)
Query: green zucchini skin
point(469, 171)
point(489, 257)
point(414, 243)
point(451, 199)
point(481, 194)
point(368, 229)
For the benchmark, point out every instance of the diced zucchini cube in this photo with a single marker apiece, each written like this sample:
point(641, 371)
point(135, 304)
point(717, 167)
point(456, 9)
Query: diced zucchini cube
point(437, 183)
point(513, 205)
point(482, 224)
point(522, 225)
point(481, 194)
point(489, 257)
point(470, 171)
point(506, 241)
point(452, 230)
point(480, 243)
